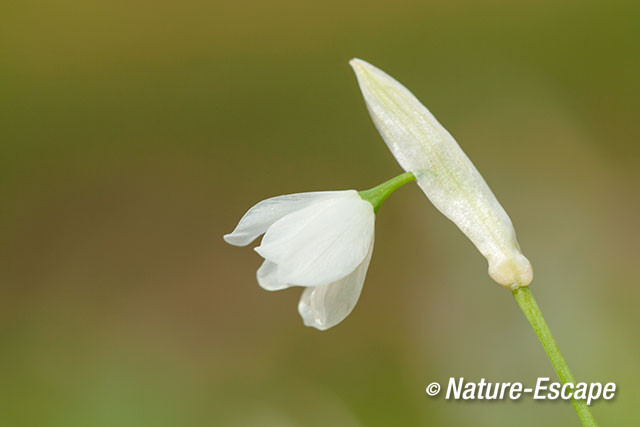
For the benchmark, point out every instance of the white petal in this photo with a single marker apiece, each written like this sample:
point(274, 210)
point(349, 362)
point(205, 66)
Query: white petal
point(321, 243)
point(325, 306)
point(446, 175)
point(262, 215)
point(268, 277)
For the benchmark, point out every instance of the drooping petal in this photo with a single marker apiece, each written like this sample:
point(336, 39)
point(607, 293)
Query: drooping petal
point(260, 217)
point(446, 175)
point(323, 307)
point(268, 277)
point(320, 243)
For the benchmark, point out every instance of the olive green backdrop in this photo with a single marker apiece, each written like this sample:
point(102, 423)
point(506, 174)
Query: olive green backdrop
point(134, 134)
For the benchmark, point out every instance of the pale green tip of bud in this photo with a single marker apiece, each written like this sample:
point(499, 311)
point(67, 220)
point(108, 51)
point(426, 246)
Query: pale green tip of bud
point(446, 175)
point(513, 272)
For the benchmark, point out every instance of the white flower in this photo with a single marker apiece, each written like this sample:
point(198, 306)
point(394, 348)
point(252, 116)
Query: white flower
point(446, 175)
point(322, 241)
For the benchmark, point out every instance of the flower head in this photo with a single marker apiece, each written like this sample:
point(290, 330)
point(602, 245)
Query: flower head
point(443, 171)
point(321, 241)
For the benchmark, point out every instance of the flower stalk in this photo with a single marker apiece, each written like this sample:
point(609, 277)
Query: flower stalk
point(379, 194)
point(453, 184)
point(529, 307)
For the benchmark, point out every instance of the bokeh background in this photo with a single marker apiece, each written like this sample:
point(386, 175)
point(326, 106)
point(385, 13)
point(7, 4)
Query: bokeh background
point(134, 134)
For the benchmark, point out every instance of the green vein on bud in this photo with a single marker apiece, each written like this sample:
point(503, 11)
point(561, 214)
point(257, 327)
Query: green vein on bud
point(446, 175)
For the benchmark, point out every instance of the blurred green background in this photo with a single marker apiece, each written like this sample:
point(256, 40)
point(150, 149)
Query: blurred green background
point(134, 134)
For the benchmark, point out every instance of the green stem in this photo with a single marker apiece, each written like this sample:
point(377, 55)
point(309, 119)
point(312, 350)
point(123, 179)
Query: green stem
point(378, 194)
point(530, 308)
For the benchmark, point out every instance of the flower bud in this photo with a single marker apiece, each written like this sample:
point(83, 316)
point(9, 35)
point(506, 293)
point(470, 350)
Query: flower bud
point(446, 175)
